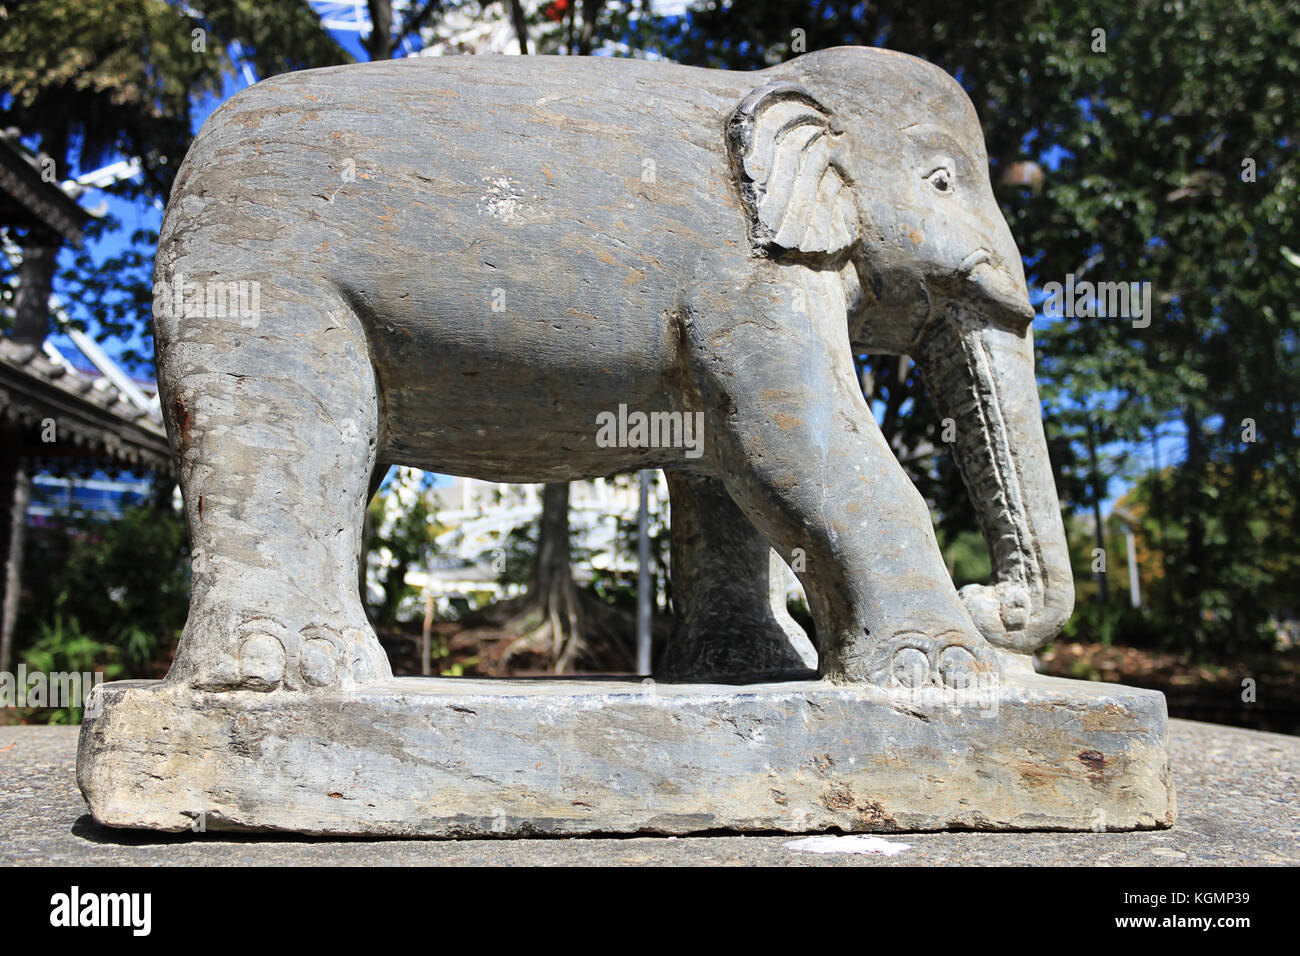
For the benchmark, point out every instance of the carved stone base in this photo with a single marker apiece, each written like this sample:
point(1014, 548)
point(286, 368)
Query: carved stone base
point(460, 757)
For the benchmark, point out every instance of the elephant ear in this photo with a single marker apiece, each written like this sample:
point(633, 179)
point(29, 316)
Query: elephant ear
point(787, 153)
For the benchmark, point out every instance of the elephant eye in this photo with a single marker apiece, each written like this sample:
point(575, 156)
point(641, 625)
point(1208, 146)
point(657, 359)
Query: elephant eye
point(941, 179)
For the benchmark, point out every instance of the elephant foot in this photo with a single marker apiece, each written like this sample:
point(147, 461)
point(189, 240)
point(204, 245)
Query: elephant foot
point(264, 657)
point(719, 653)
point(915, 661)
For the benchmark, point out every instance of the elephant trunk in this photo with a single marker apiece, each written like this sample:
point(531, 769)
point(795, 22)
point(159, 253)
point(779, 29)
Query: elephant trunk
point(981, 376)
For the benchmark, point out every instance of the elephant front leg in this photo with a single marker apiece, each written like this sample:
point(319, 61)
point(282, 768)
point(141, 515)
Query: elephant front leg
point(728, 592)
point(276, 430)
point(804, 459)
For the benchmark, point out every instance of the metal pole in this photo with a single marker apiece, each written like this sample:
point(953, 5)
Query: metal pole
point(643, 578)
point(1134, 585)
point(426, 636)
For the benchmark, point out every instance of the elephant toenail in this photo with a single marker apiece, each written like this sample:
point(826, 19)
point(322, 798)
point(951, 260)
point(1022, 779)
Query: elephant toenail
point(319, 664)
point(958, 667)
point(355, 644)
point(911, 668)
point(261, 661)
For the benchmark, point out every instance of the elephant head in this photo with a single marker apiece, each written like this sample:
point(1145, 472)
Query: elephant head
point(873, 164)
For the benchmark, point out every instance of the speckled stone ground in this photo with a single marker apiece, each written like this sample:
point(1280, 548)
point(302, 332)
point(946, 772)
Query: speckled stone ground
point(1238, 792)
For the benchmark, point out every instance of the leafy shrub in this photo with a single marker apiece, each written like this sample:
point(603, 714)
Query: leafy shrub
point(105, 594)
point(64, 647)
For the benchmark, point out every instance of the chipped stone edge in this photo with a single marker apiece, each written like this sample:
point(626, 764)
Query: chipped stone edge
point(468, 758)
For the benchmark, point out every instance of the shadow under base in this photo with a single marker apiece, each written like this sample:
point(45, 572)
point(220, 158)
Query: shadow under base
point(452, 757)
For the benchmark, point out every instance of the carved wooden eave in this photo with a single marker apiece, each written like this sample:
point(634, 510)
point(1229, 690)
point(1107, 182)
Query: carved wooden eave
point(29, 202)
point(92, 419)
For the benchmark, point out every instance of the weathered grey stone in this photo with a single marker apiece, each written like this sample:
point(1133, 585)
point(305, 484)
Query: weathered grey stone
point(463, 262)
point(465, 265)
point(1236, 806)
point(445, 757)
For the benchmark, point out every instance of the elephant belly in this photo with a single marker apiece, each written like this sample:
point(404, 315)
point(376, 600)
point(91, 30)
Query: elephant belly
point(518, 395)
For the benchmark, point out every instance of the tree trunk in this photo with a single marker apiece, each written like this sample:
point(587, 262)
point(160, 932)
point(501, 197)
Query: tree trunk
point(558, 637)
point(1196, 471)
point(1157, 507)
point(521, 27)
point(426, 637)
point(32, 301)
point(554, 625)
point(590, 12)
point(379, 45)
point(36, 274)
point(15, 494)
point(551, 583)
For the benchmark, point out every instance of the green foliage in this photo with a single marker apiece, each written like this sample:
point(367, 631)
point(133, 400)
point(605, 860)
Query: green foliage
point(126, 580)
point(968, 558)
point(799, 610)
point(440, 651)
point(104, 595)
point(88, 81)
point(274, 36)
point(1250, 571)
point(111, 293)
point(121, 76)
point(514, 554)
point(623, 588)
point(63, 647)
point(1116, 623)
point(109, 74)
point(404, 537)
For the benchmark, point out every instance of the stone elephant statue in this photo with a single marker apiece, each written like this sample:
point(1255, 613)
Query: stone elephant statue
point(466, 264)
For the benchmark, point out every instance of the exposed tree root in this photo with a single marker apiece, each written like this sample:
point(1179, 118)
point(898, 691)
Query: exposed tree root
point(555, 626)
point(518, 635)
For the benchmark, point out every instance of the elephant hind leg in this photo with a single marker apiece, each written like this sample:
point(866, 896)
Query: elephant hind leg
point(728, 592)
point(275, 428)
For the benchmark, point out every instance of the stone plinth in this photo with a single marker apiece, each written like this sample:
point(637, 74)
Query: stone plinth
point(460, 757)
